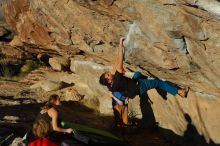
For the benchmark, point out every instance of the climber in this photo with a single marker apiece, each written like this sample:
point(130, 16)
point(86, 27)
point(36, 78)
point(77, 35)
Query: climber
point(127, 87)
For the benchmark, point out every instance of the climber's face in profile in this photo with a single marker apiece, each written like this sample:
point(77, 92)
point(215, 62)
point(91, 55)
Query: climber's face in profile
point(109, 77)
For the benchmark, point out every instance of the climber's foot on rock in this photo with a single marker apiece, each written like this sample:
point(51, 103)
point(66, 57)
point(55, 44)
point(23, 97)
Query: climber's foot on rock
point(183, 92)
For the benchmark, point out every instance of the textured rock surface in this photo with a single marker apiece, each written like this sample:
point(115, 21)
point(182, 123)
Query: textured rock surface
point(59, 63)
point(11, 88)
point(11, 52)
point(176, 40)
point(3, 31)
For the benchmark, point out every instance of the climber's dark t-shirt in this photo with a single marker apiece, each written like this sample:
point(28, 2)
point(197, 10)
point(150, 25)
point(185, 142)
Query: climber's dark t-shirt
point(126, 86)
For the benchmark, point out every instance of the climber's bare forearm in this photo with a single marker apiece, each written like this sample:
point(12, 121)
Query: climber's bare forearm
point(119, 62)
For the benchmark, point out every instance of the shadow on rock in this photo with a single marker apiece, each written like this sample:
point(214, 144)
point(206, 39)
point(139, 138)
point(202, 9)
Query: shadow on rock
point(191, 135)
point(148, 118)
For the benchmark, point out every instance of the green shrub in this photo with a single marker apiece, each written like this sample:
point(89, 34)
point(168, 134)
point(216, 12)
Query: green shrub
point(29, 66)
point(132, 115)
point(5, 71)
point(12, 72)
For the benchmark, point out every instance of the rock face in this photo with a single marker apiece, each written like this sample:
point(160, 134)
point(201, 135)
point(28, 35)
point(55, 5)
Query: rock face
point(59, 63)
point(3, 31)
point(176, 40)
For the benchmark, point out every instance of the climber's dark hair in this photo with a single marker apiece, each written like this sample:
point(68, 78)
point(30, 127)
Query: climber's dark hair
point(102, 80)
point(53, 98)
point(51, 101)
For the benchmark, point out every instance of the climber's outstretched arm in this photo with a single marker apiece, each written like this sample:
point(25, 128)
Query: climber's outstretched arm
point(119, 60)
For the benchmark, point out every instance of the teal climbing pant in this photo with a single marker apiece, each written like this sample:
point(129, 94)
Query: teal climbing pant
point(147, 84)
